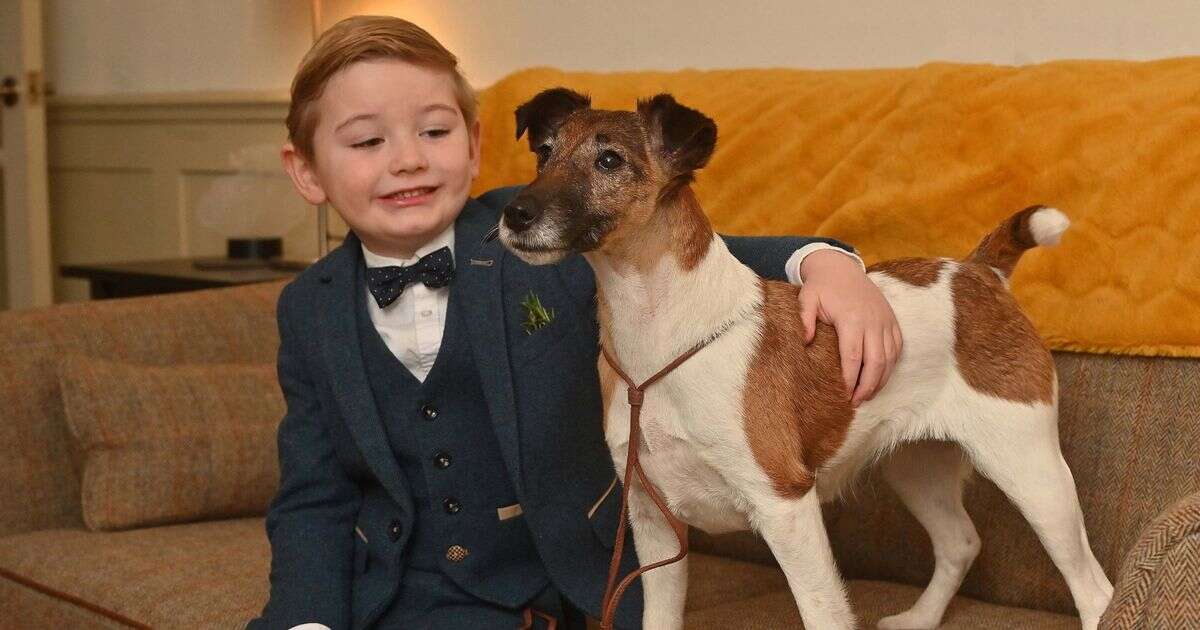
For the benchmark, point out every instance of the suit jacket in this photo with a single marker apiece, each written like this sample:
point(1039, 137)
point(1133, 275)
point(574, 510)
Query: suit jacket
point(338, 472)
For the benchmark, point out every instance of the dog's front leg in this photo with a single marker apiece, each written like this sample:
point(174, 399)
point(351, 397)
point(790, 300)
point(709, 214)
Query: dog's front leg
point(665, 588)
point(796, 535)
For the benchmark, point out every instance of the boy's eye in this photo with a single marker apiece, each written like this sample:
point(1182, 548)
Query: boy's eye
point(437, 133)
point(367, 143)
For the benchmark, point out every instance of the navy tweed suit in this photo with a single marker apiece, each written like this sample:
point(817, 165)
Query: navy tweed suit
point(344, 463)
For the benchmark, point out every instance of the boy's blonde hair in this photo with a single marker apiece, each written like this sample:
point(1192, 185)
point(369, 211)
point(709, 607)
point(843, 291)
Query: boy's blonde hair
point(360, 38)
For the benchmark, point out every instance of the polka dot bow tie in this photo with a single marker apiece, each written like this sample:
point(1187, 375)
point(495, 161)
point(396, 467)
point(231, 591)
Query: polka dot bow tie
point(435, 269)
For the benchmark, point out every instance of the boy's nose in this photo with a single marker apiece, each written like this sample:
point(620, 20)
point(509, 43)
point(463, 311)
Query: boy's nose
point(521, 213)
point(407, 156)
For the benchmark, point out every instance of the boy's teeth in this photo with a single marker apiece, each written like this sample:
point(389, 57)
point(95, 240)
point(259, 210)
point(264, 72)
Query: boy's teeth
point(405, 194)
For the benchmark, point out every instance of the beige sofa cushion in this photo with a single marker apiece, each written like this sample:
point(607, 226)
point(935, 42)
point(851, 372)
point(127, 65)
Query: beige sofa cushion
point(171, 444)
point(197, 575)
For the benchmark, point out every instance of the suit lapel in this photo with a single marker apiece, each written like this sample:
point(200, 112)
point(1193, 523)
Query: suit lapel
point(343, 356)
point(478, 284)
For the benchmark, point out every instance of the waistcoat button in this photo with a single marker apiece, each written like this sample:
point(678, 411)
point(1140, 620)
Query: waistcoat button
point(457, 553)
point(429, 411)
point(452, 506)
point(394, 531)
point(442, 460)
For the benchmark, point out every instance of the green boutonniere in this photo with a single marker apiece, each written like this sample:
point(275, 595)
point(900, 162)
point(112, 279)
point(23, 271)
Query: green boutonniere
point(536, 315)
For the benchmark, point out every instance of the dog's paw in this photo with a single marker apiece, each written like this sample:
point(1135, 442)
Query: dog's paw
point(910, 620)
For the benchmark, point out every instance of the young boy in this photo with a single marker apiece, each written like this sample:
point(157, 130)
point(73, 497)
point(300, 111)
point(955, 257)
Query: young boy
point(441, 467)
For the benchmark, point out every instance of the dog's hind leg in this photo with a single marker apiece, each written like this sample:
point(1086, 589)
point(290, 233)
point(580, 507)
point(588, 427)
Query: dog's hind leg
point(796, 535)
point(1017, 448)
point(929, 477)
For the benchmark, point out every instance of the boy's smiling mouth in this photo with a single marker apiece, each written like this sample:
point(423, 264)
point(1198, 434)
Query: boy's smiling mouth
point(409, 196)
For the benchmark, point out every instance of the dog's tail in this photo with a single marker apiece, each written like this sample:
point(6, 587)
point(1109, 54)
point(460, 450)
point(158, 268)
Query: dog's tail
point(1033, 226)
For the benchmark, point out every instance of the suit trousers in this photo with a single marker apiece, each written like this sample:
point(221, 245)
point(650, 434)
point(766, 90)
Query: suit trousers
point(429, 600)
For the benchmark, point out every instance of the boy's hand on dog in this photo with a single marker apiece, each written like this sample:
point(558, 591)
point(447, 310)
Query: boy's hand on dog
point(837, 291)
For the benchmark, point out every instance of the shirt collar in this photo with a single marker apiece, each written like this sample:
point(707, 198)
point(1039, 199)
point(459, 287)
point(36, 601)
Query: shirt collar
point(445, 239)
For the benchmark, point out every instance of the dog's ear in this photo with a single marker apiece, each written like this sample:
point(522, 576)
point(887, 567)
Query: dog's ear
point(543, 114)
point(683, 137)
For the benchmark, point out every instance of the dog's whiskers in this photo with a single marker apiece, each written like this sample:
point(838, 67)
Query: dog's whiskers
point(491, 234)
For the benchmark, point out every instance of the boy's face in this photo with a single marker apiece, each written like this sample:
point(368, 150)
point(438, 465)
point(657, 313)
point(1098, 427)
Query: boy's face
point(393, 154)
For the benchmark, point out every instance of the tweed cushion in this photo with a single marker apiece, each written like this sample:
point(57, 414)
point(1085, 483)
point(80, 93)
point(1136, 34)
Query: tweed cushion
point(43, 610)
point(871, 601)
point(41, 478)
point(198, 575)
point(172, 444)
point(1160, 579)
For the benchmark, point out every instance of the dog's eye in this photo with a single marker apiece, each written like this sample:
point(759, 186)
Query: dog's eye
point(543, 152)
point(608, 160)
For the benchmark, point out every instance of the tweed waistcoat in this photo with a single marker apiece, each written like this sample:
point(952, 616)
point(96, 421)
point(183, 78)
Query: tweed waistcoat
point(441, 433)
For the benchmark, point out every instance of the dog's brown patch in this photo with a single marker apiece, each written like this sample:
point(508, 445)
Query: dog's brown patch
point(998, 350)
point(689, 228)
point(919, 272)
point(796, 407)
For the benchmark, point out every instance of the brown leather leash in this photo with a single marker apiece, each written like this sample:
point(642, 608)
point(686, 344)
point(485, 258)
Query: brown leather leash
point(528, 615)
point(636, 394)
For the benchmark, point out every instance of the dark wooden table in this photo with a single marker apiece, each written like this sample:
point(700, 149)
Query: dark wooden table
point(149, 277)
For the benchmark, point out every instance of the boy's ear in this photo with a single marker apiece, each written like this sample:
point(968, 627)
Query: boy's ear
point(304, 178)
point(683, 137)
point(543, 114)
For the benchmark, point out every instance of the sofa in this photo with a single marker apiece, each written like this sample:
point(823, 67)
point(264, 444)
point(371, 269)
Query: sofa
point(1129, 395)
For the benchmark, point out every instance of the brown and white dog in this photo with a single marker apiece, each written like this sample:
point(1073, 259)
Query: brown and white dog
point(741, 434)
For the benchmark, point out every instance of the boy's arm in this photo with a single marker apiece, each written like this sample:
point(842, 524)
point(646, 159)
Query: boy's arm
point(773, 257)
point(838, 292)
point(779, 257)
point(311, 519)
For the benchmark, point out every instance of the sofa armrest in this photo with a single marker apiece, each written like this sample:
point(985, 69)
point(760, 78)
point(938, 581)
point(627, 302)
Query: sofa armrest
point(1159, 583)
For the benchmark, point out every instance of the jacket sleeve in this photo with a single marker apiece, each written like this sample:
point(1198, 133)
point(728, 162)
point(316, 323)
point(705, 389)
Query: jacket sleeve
point(310, 522)
point(767, 255)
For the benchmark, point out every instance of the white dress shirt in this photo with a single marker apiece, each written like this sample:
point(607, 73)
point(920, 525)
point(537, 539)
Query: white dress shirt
point(792, 267)
point(412, 325)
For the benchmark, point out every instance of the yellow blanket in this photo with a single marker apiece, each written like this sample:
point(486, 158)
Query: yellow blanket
point(925, 161)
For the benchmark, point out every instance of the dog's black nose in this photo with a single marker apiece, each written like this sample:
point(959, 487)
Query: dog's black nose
point(521, 213)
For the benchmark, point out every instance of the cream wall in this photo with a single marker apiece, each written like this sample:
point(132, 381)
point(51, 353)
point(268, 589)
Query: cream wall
point(140, 46)
point(119, 46)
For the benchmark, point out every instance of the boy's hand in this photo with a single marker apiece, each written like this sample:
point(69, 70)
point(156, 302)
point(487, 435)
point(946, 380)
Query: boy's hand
point(836, 290)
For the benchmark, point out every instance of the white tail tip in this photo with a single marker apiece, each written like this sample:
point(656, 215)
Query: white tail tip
point(1047, 226)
